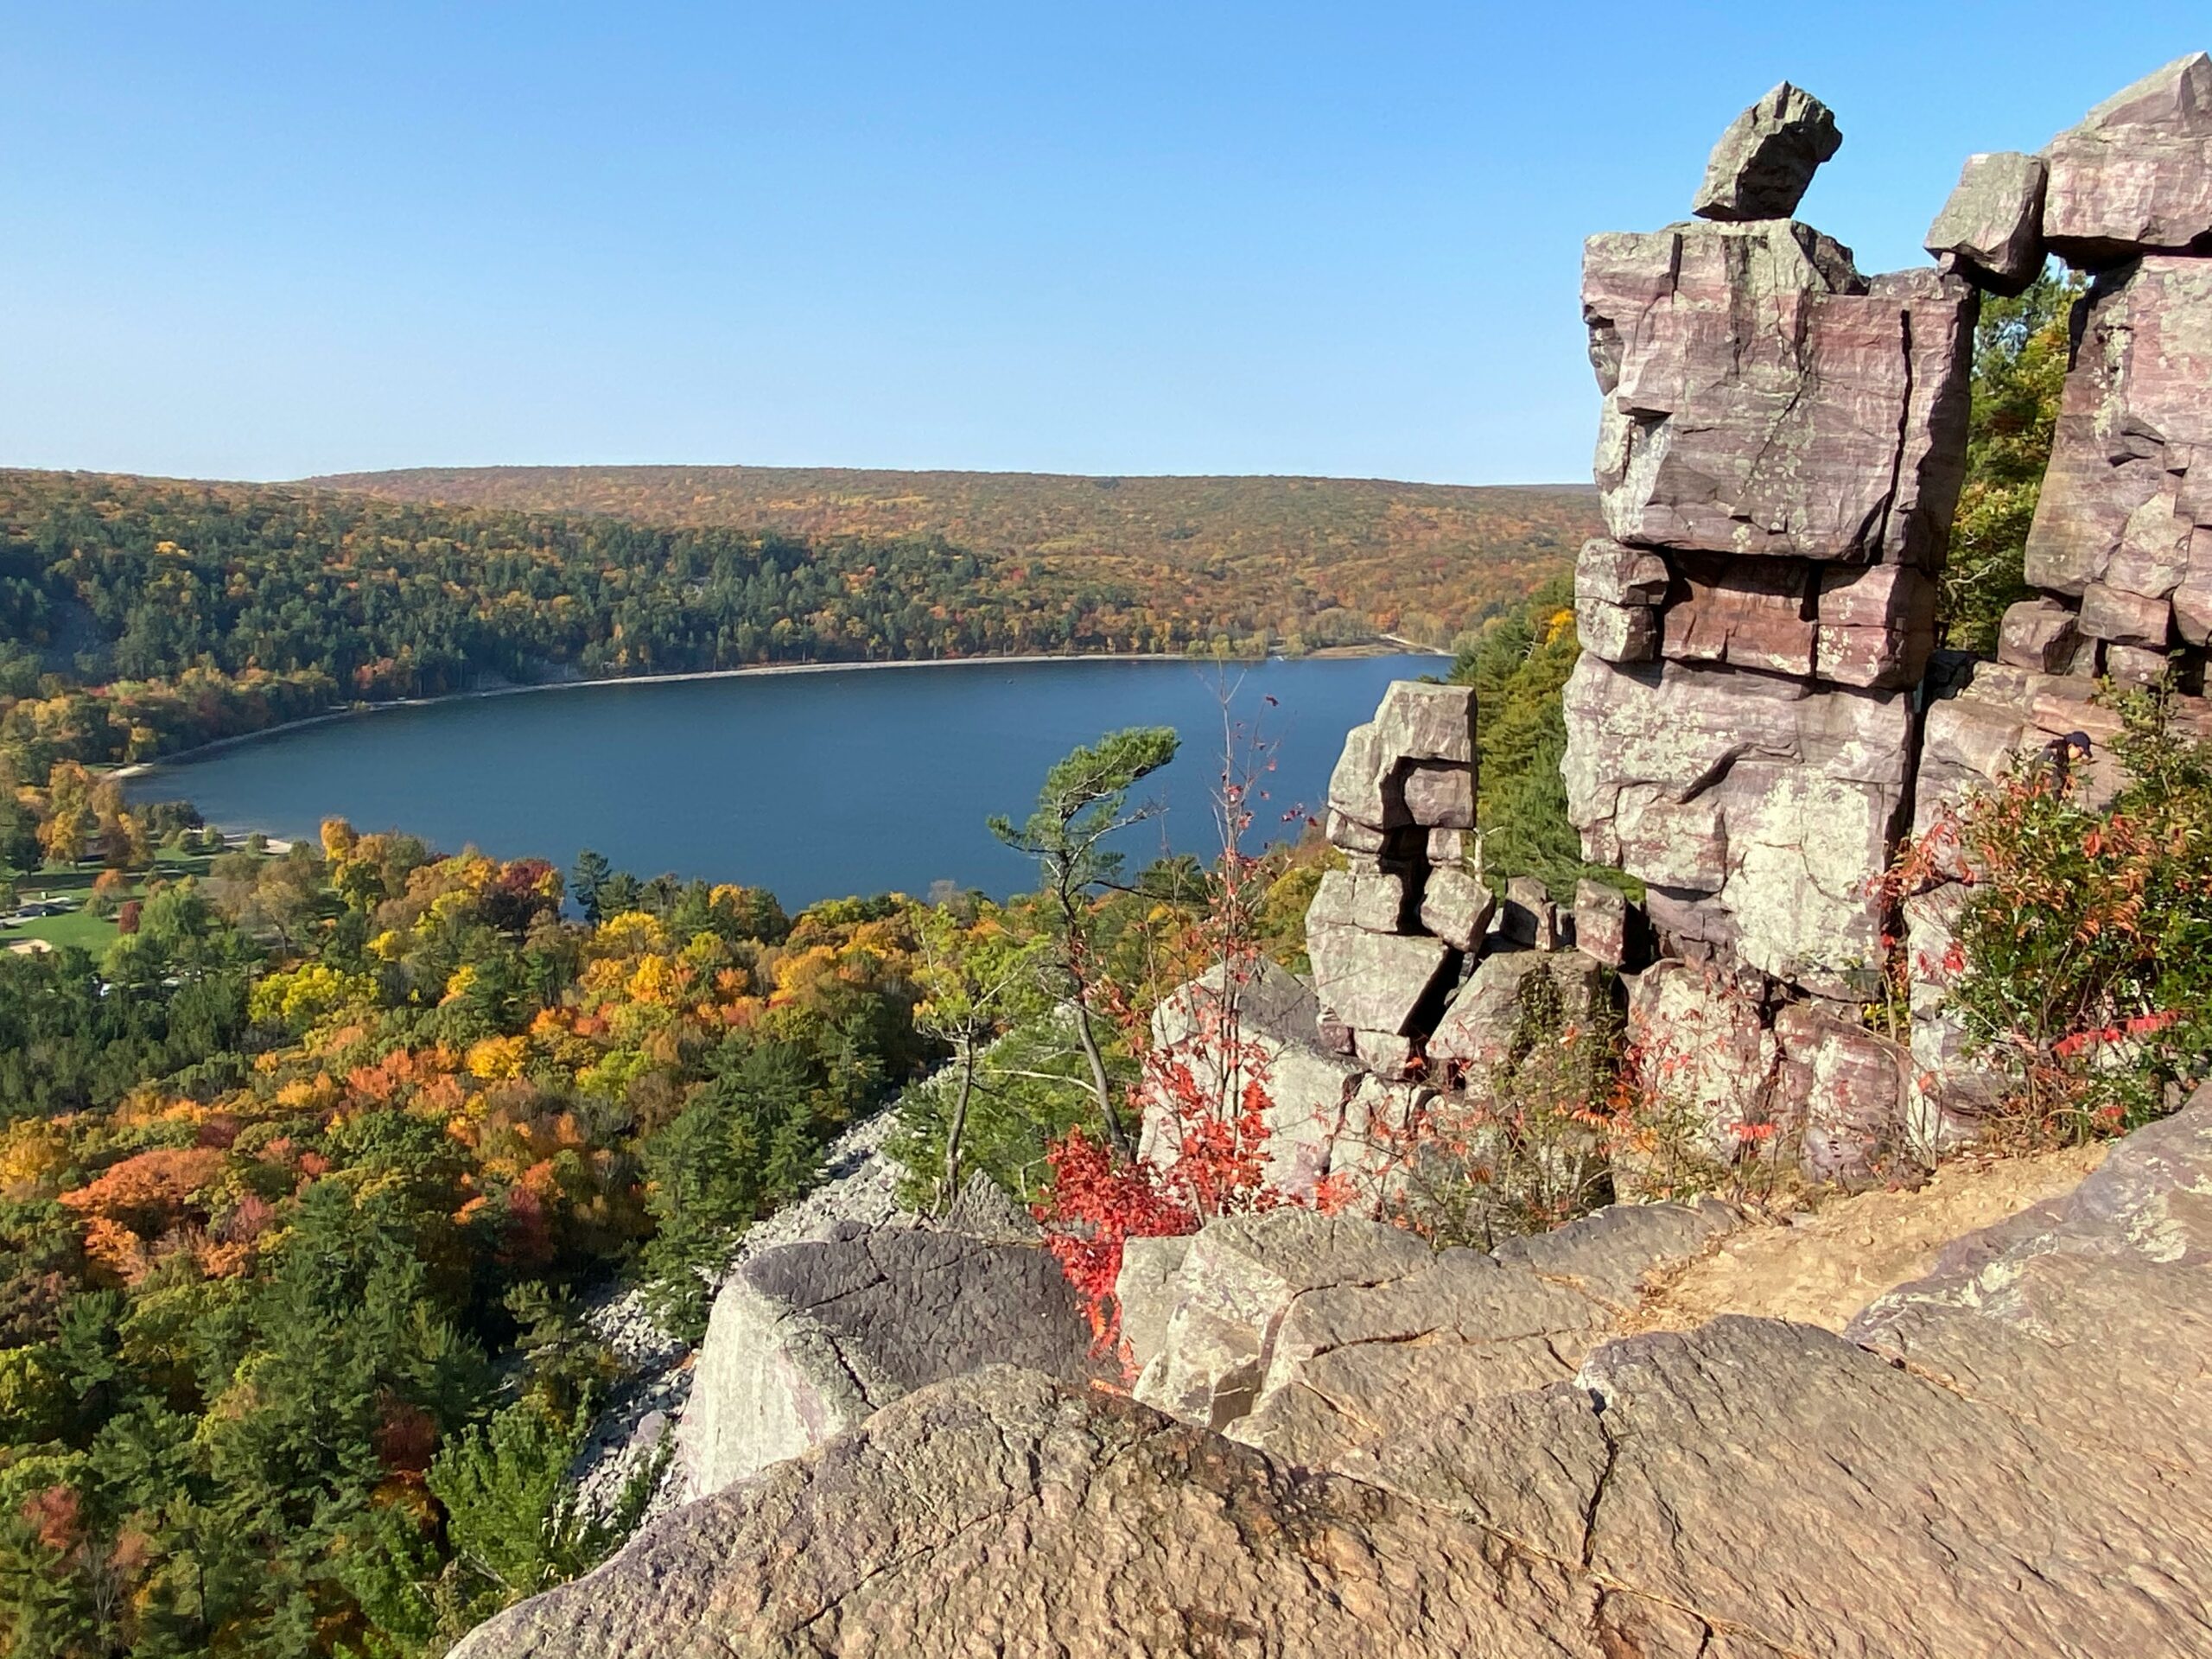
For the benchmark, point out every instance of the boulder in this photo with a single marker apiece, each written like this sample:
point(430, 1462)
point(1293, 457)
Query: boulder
point(1419, 722)
point(1308, 1335)
point(2040, 634)
point(1371, 899)
point(1456, 906)
point(2136, 175)
point(1529, 918)
point(1373, 981)
point(1603, 923)
point(1840, 1094)
point(2136, 664)
point(1204, 1361)
point(1757, 808)
point(809, 1339)
point(1764, 161)
point(1990, 231)
point(1707, 1058)
point(1477, 1033)
point(1440, 796)
point(1762, 398)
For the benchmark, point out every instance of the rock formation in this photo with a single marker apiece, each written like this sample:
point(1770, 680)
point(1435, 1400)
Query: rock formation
point(1755, 723)
point(1386, 948)
point(2122, 546)
point(809, 1339)
point(1780, 450)
point(1457, 1454)
point(1764, 161)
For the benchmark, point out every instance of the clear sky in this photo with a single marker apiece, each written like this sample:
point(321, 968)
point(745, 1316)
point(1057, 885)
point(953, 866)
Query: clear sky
point(261, 241)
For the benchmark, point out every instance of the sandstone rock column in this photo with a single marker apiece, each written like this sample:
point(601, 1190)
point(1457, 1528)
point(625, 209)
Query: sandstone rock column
point(2122, 546)
point(1386, 935)
point(1780, 451)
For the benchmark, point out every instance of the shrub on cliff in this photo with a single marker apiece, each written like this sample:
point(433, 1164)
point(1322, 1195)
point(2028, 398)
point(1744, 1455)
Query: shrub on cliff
point(2082, 958)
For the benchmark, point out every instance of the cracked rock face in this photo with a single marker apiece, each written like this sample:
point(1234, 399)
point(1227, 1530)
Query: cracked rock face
point(1991, 230)
point(811, 1338)
point(2124, 524)
point(1385, 949)
point(1763, 397)
point(1002, 1513)
point(1755, 807)
point(2006, 1458)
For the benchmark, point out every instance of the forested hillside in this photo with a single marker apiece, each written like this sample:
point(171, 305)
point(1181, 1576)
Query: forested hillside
point(1323, 560)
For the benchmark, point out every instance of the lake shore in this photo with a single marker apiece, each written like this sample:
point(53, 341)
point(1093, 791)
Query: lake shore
point(138, 769)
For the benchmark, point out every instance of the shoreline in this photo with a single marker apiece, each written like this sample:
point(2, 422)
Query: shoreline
point(139, 769)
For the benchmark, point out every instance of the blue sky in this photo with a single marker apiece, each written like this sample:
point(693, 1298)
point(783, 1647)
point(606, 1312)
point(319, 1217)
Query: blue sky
point(261, 241)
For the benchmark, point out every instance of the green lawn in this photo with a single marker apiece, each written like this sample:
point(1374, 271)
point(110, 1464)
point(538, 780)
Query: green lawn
point(80, 927)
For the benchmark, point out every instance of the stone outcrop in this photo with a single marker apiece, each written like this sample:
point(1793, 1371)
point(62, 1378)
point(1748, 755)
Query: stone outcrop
point(1308, 1337)
point(2121, 544)
point(1463, 1453)
point(1385, 949)
point(1264, 1023)
point(2124, 524)
point(1781, 445)
point(2136, 176)
point(809, 1339)
point(1420, 970)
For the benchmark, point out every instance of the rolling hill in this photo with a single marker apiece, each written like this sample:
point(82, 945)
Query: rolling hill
point(1320, 559)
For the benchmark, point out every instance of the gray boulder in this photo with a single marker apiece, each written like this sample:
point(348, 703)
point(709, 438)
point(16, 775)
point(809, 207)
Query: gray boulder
point(1990, 231)
point(807, 1340)
point(1374, 982)
point(1456, 906)
point(1475, 1035)
point(2040, 634)
point(1764, 161)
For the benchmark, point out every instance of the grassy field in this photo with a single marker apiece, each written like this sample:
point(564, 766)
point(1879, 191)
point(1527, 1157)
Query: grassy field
point(79, 926)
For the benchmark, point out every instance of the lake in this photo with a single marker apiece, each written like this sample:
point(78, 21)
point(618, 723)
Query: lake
point(813, 785)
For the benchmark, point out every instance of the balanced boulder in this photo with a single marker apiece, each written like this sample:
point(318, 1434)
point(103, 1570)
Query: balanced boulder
point(1765, 160)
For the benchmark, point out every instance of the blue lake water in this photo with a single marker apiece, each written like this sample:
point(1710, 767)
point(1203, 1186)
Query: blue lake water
point(813, 785)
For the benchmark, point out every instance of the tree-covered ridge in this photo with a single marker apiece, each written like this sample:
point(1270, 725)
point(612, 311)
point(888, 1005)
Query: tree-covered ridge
point(298, 1182)
point(302, 1180)
point(1322, 560)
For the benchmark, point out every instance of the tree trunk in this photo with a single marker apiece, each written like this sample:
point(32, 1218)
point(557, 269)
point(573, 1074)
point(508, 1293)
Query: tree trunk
point(1117, 1136)
point(953, 1129)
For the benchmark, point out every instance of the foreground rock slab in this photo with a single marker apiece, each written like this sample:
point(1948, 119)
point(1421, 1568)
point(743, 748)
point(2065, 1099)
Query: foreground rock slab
point(1002, 1513)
